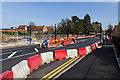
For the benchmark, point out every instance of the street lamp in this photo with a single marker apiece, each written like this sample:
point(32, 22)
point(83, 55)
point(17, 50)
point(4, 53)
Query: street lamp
point(100, 32)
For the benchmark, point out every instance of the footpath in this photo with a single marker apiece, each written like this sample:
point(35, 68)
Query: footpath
point(100, 64)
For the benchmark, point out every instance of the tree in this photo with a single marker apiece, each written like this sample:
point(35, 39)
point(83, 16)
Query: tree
point(87, 24)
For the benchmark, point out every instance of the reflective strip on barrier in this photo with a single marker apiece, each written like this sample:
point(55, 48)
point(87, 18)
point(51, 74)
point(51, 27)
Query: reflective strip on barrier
point(88, 50)
point(81, 52)
point(59, 55)
point(46, 57)
point(96, 45)
point(34, 62)
point(6, 75)
point(71, 53)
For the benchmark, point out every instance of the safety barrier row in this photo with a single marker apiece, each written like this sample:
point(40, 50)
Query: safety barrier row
point(25, 67)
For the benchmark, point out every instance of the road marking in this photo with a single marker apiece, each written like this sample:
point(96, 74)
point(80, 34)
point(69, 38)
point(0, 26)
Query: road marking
point(18, 56)
point(12, 54)
point(56, 69)
point(6, 53)
point(61, 69)
point(36, 49)
point(69, 67)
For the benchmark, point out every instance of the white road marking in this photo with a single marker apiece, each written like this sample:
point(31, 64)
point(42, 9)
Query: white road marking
point(13, 53)
point(6, 53)
point(18, 56)
point(36, 49)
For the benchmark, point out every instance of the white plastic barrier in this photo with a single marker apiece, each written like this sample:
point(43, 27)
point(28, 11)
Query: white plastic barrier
point(94, 47)
point(21, 70)
point(71, 53)
point(46, 57)
point(88, 49)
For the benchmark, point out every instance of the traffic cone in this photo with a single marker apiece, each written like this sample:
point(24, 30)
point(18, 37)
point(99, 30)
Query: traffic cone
point(48, 46)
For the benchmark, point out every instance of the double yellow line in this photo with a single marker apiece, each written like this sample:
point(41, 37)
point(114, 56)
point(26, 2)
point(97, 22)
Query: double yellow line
point(57, 70)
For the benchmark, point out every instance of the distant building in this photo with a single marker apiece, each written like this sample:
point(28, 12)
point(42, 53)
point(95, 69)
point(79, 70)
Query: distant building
point(22, 28)
point(35, 29)
point(14, 28)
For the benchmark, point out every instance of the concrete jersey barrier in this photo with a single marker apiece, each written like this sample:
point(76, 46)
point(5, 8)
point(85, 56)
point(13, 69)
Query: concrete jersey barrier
point(71, 53)
point(46, 57)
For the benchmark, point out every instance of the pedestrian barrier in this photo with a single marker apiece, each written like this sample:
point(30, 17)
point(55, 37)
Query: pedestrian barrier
point(92, 48)
point(81, 52)
point(34, 62)
point(59, 55)
point(7, 75)
point(46, 57)
point(71, 53)
point(88, 50)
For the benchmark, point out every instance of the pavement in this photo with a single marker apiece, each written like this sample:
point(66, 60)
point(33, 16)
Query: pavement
point(100, 64)
point(22, 53)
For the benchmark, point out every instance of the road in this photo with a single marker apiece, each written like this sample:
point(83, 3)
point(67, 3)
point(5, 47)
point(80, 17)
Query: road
point(100, 64)
point(11, 57)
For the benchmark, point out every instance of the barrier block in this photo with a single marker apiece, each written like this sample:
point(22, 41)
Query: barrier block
point(88, 49)
point(96, 45)
point(81, 52)
point(71, 53)
point(46, 57)
point(21, 70)
point(7, 75)
point(34, 62)
point(59, 54)
point(92, 48)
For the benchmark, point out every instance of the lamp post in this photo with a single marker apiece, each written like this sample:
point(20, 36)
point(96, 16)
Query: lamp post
point(100, 32)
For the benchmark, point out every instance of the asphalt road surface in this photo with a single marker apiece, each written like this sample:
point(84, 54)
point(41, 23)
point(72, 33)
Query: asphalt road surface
point(11, 57)
point(99, 64)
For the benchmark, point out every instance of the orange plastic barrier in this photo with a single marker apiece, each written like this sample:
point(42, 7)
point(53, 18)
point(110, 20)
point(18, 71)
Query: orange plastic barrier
point(92, 48)
point(34, 62)
point(81, 52)
point(59, 55)
point(7, 75)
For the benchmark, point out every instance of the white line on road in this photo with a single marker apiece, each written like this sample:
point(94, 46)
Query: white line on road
point(18, 56)
point(36, 49)
point(13, 53)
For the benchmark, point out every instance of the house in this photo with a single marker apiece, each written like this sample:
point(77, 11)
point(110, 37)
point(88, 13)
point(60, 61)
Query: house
point(23, 28)
point(35, 29)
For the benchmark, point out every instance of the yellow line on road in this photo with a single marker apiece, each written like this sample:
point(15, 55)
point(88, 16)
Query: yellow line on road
point(61, 69)
point(56, 69)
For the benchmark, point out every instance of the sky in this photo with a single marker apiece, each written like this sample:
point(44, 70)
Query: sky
point(119, 12)
point(47, 13)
